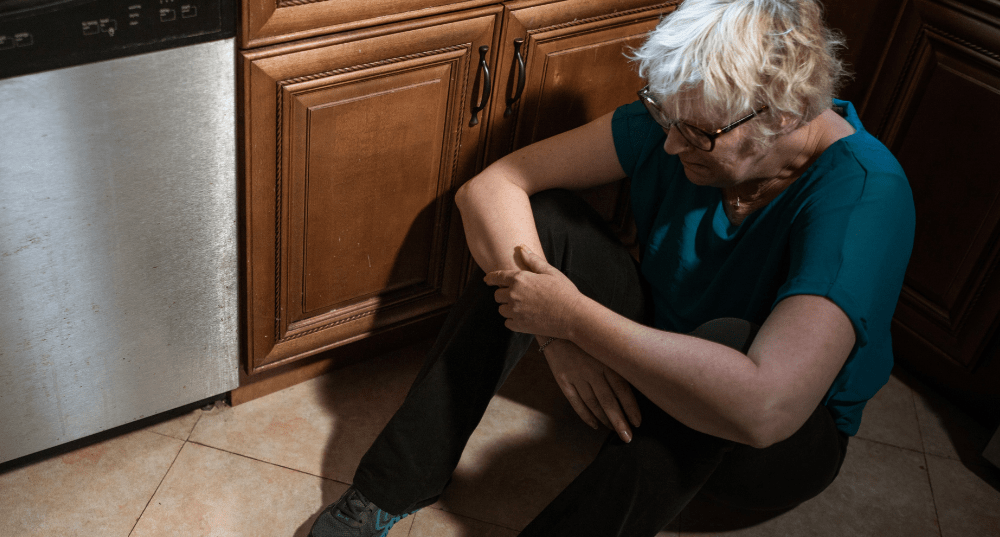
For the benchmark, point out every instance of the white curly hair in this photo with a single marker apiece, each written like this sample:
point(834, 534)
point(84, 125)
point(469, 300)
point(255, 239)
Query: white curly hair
point(728, 57)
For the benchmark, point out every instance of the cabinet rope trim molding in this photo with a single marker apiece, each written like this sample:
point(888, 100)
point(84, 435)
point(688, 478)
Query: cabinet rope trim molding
point(458, 141)
point(291, 3)
point(968, 44)
point(325, 326)
point(911, 58)
point(279, 181)
point(372, 65)
point(604, 17)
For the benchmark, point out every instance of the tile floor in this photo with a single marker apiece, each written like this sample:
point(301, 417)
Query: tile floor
point(266, 468)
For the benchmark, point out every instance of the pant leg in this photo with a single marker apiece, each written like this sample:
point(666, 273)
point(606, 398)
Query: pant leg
point(413, 458)
point(636, 489)
point(784, 475)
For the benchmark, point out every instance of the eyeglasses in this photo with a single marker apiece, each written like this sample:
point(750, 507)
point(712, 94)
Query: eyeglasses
point(695, 136)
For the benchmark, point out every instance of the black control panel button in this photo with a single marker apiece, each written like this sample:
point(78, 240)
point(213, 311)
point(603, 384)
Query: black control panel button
point(109, 26)
point(134, 14)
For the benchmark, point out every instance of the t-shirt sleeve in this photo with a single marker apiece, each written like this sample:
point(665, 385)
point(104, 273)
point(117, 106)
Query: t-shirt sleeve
point(639, 145)
point(635, 134)
point(851, 241)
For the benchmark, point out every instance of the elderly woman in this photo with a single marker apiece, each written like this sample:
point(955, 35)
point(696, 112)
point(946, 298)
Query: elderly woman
point(774, 234)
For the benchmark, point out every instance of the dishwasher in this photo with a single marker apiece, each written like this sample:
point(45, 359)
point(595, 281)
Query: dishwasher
point(119, 291)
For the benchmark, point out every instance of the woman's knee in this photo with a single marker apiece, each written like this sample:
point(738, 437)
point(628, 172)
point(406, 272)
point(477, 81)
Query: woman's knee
point(560, 215)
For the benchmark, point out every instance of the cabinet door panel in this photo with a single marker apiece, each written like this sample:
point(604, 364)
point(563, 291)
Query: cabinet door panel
point(353, 199)
point(936, 105)
point(352, 162)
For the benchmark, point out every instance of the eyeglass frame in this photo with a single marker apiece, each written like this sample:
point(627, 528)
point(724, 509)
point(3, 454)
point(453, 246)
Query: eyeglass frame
point(659, 117)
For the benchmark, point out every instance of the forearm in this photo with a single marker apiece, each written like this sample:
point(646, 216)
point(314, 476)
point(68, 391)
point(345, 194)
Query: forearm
point(497, 217)
point(495, 209)
point(757, 398)
point(705, 385)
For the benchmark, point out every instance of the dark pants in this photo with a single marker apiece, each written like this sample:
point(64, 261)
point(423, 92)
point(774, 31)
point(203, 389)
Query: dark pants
point(630, 489)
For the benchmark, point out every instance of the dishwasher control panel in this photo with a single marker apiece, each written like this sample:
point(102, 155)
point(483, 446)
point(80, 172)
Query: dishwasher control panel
point(40, 35)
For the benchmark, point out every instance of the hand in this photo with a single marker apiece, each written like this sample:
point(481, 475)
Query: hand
point(596, 393)
point(535, 300)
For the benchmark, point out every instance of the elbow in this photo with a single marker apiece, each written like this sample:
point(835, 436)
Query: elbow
point(771, 427)
point(462, 195)
point(765, 437)
point(470, 191)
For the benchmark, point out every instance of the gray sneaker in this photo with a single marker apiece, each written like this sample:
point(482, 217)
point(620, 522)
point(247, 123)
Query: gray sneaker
point(353, 515)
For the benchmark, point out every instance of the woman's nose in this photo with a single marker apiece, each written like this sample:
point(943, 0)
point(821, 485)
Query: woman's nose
point(675, 143)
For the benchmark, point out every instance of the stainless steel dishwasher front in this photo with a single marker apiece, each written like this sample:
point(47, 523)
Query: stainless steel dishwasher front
point(118, 242)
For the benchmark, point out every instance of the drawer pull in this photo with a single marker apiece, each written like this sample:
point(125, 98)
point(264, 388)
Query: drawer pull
point(487, 85)
point(520, 77)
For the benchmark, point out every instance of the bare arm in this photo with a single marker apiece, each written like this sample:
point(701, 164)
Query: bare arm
point(497, 216)
point(756, 398)
point(494, 204)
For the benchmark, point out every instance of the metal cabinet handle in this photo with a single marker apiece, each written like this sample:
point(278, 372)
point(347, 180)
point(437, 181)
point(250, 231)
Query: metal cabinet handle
point(487, 85)
point(520, 77)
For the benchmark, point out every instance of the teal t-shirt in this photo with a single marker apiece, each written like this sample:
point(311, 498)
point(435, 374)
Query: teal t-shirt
point(843, 230)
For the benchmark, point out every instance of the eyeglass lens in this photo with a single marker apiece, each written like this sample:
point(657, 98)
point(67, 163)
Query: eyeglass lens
point(694, 136)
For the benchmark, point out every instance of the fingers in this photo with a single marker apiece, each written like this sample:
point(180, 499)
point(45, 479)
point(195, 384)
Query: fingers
point(501, 278)
point(533, 261)
point(623, 391)
point(579, 406)
point(597, 403)
point(609, 407)
point(502, 295)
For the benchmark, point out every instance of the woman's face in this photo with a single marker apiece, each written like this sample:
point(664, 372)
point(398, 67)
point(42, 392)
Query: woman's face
point(733, 160)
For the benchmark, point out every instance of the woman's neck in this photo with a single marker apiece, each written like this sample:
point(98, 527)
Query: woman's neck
point(792, 154)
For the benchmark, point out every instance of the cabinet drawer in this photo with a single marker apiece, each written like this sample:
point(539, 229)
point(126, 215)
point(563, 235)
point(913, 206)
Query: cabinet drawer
point(266, 22)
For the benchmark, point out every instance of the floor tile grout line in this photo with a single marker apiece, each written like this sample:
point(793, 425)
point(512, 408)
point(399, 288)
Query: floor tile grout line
point(930, 485)
point(269, 463)
point(187, 436)
point(880, 442)
point(300, 472)
point(318, 476)
point(927, 466)
point(470, 517)
point(201, 414)
point(157, 489)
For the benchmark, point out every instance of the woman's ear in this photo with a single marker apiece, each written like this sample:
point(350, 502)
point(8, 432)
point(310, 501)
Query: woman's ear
point(788, 124)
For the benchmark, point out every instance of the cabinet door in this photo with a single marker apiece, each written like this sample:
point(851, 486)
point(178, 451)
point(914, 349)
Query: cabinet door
point(575, 70)
point(936, 105)
point(354, 146)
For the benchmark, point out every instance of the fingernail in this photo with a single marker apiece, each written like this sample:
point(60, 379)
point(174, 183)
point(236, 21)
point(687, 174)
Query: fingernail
point(625, 436)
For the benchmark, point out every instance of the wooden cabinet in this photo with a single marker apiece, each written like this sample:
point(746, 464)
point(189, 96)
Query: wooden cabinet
point(353, 146)
point(355, 141)
point(936, 106)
